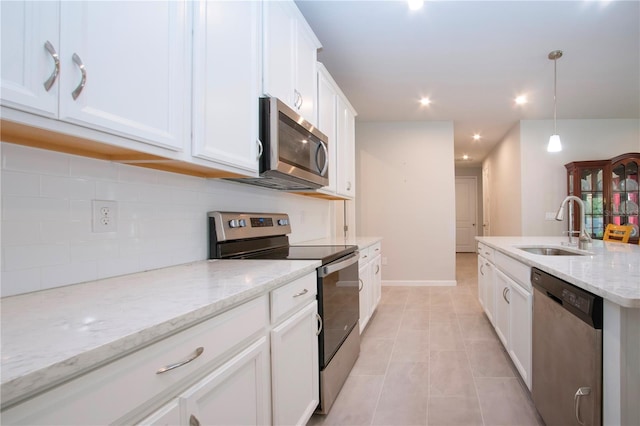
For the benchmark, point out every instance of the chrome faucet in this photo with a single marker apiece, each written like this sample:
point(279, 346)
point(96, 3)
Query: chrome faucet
point(584, 240)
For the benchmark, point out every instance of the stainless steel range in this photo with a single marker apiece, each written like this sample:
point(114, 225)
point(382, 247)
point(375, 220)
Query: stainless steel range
point(235, 235)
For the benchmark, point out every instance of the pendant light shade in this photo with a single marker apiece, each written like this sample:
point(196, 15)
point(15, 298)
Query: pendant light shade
point(554, 141)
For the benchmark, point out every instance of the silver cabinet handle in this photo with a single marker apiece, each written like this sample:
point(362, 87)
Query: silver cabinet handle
point(298, 101)
point(348, 186)
point(302, 293)
point(320, 325)
point(481, 271)
point(361, 285)
point(260, 149)
point(505, 292)
point(76, 92)
point(583, 391)
point(193, 356)
point(377, 269)
point(56, 70)
point(193, 421)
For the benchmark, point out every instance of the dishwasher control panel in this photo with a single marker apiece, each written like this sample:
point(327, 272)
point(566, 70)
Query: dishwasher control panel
point(576, 300)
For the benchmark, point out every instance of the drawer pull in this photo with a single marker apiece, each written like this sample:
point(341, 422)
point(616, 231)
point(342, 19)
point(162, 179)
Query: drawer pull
point(193, 356)
point(302, 293)
point(193, 421)
point(56, 62)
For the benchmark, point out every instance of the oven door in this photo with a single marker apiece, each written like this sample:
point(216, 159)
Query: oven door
point(338, 304)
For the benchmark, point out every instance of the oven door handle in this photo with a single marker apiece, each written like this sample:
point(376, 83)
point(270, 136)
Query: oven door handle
point(329, 269)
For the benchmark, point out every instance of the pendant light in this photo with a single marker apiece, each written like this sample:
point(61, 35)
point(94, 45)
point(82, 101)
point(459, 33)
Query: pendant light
point(554, 140)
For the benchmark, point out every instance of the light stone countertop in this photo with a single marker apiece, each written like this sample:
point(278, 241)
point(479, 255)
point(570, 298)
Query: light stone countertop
point(53, 335)
point(610, 270)
point(361, 242)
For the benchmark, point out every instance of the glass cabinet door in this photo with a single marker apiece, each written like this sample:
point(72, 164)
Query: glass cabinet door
point(592, 194)
point(625, 192)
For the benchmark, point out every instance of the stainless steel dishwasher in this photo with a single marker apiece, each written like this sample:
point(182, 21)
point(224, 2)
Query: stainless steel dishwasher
point(567, 352)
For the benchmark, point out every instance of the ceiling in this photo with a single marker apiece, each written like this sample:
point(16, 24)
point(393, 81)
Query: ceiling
point(472, 58)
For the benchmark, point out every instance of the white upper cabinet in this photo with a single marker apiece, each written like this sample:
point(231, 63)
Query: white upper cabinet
point(346, 141)
point(327, 98)
point(336, 119)
point(226, 84)
point(134, 59)
point(290, 54)
point(30, 56)
point(124, 67)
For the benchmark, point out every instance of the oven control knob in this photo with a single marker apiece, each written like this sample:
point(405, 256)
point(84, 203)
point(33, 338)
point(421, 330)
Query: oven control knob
point(242, 223)
point(283, 222)
point(234, 223)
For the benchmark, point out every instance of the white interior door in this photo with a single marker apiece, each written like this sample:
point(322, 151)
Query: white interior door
point(486, 203)
point(466, 213)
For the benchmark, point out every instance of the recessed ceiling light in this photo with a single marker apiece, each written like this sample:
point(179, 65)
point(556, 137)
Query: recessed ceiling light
point(465, 157)
point(521, 100)
point(476, 137)
point(415, 4)
point(425, 101)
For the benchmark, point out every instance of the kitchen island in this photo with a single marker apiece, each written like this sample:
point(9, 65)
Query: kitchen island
point(610, 270)
point(52, 336)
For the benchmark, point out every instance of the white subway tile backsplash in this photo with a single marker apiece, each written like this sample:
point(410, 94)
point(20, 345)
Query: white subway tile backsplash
point(92, 169)
point(20, 233)
point(34, 209)
point(20, 281)
point(69, 273)
point(34, 256)
point(23, 158)
point(47, 239)
point(20, 184)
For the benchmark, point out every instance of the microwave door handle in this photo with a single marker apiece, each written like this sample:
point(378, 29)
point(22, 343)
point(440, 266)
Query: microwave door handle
point(329, 269)
point(322, 170)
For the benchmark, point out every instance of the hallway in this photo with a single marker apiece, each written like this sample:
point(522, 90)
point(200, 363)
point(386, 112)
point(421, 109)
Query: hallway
point(429, 356)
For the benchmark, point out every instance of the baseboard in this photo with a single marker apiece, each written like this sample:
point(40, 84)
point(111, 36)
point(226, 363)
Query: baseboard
point(419, 283)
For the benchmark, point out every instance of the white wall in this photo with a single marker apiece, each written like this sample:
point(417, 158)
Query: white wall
point(504, 164)
point(46, 217)
point(406, 184)
point(544, 177)
point(526, 181)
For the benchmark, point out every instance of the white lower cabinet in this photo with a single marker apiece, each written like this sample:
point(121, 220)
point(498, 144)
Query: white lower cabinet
point(512, 323)
point(370, 272)
point(239, 367)
point(294, 367)
point(237, 393)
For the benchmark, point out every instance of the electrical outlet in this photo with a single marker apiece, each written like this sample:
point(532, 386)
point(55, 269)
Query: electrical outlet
point(105, 215)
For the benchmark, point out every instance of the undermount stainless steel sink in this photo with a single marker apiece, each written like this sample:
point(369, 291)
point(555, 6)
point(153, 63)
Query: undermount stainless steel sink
point(551, 251)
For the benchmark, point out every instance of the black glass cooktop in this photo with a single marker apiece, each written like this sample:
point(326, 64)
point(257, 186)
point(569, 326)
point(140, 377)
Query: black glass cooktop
point(326, 254)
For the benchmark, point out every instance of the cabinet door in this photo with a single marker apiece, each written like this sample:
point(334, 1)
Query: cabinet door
point(306, 74)
point(376, 282)
point(520, 331)
point(168, 415)
point(365, 294)
point(295, 371)
point(279, 60)
point(327, 121)
point(501, 323)
point(486, 292)
point(237, 393)
point(346, 149)
point(26, 63)
point(136, 60)
point(226, 83)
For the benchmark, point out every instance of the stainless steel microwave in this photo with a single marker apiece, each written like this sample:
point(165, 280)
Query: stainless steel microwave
point(295, 155)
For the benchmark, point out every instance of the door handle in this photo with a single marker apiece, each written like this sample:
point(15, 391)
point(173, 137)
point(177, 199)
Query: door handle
point(56, 66)
point(83, 81)
point(583, 391)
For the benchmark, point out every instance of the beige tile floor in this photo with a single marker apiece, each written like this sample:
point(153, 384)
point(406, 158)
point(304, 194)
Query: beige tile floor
point(429, 356)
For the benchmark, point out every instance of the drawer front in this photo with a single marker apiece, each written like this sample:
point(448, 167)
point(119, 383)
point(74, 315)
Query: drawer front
point(375, 250)
point(486, 252)
point(124, 390)
point(517, 270)
point(365, 256)
point(290, 297)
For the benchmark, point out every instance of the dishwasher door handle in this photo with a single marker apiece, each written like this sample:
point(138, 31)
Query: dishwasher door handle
point(583, 391)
